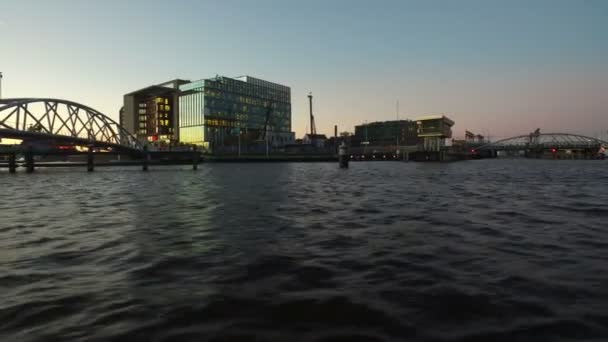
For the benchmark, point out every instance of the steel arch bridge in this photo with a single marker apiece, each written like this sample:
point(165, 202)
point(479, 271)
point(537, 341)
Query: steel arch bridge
point(545, 141)
point(62, 121)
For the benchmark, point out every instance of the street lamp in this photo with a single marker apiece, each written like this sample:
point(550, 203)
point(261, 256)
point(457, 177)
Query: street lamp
point(0, 85)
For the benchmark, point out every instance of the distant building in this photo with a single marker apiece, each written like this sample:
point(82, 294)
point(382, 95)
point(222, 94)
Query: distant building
point(434, 130)
point(470, 142)
point(151, 113)
point(214, 112)
point(387, 133)
point(315, 140)
point(218, 113)
point(472, 137)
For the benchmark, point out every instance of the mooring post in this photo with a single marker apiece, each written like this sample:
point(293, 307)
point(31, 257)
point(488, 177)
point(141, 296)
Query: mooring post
point(144, 166)
point(90, 159)
point(12, 163)
point(29, 159)
point(195, 157)
point(343, 156)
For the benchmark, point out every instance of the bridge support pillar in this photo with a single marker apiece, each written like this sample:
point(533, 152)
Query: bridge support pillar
point(90, 159)
point(195, 157)
point(12, 163)
point(29, 160)
point(144, 166)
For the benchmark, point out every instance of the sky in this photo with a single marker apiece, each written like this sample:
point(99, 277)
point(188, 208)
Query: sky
point(499, 68)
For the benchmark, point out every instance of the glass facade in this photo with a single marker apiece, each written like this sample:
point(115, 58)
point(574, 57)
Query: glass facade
point(401, 132)
point(215, 112)
point(191, 113)
point(435, 126)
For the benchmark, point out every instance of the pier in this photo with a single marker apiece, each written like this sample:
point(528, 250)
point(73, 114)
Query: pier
point(14, 157)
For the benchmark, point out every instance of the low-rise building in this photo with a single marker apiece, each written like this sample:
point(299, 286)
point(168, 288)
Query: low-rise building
point(434, 130)
point(315, 140)
point(388, 133)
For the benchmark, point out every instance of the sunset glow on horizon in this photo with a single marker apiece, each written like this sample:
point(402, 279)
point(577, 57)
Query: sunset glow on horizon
point(497, 68)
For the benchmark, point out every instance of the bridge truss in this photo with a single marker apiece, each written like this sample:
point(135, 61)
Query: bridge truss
point(544, 141)
point(64, 121)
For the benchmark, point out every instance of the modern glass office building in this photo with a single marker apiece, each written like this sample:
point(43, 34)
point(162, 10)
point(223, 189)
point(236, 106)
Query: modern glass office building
point(222, 112)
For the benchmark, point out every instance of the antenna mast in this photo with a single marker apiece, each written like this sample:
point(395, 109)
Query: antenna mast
point(313, 128)
point(397, 110)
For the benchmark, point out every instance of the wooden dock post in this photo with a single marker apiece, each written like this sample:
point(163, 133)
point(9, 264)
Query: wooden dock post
point(343, 157)
point(29, 159)
point(12, 163)
point(144, 166)
point(90, 159)
point(195, 157)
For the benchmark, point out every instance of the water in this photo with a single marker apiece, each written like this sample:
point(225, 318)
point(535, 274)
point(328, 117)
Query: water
point(487, 250)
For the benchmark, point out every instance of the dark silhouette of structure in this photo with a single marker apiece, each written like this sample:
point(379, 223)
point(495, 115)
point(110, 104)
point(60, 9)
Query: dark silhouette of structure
point(62, 121)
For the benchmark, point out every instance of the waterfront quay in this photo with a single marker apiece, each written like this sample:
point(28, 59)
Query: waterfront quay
point(28, 157)
point(61, 133)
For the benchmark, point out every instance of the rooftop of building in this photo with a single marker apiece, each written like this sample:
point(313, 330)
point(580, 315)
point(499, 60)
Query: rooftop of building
point(182, 84)
point(436, 117)
point(174, 83)
point(160, 89)
point(315, 136)
point(259, 81)
point(404, 121)
point(247, 79)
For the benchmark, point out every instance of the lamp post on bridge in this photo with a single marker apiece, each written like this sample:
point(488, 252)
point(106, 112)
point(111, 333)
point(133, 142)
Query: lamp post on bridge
point(0, 85)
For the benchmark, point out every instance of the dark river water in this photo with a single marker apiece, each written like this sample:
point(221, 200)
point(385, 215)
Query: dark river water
point(491, 250)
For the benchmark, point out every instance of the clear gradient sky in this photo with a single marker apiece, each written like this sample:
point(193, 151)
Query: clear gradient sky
point(498, 67)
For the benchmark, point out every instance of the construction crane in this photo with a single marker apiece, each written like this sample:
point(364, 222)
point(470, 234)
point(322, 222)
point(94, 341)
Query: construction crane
point(264, 131)
point(313, 127)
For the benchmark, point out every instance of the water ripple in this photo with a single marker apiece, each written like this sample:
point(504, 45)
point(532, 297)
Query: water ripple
point(475, 251)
